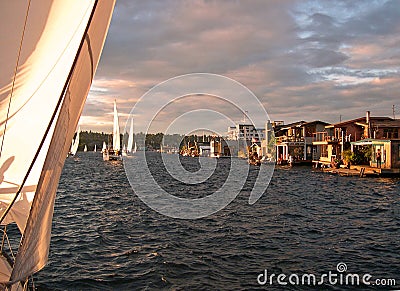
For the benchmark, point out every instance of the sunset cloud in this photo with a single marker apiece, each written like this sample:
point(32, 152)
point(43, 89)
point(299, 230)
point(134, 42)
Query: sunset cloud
point(302, 59)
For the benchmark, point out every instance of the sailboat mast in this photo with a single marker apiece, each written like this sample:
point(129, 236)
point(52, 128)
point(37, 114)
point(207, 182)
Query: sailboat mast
point(116, 136)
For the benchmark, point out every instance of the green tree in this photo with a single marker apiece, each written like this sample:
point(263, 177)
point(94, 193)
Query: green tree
point(347, 154)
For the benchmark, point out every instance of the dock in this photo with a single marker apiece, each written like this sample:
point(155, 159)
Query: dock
point(363, 171)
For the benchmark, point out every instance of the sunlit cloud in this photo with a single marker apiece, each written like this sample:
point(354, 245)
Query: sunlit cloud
point(302, 59)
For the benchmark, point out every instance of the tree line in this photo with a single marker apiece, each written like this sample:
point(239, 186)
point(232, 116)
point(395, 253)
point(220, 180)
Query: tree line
point(153, 141)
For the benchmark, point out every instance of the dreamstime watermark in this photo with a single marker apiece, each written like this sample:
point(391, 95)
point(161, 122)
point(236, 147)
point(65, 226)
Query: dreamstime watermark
point(195, 103)
point(338, 277)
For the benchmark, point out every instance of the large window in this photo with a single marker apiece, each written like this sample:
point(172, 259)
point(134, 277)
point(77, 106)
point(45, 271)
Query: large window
point(390, 133)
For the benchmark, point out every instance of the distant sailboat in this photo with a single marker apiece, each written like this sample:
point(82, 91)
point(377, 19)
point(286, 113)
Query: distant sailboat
point(48, 59)
point(75, 143)
point(126, 151)
point(116, 135)
point(85, 149)
point(95, 148)
point(72, 147)
point(104, 147)
point(130, 138)
point(114, 153)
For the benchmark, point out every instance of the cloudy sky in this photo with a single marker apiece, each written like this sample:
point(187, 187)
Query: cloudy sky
point(304, 60)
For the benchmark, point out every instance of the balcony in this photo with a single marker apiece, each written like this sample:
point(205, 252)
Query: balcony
point(281, 139)
point(323, 137)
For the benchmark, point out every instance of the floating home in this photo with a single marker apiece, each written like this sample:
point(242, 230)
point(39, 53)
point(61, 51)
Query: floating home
point(389, 150)
point(380, 133)
point(296, 140)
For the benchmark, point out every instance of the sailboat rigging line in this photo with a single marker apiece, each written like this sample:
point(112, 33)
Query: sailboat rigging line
point(60, 99)
point(4, 238)
point(5, 241)
point(15, 74)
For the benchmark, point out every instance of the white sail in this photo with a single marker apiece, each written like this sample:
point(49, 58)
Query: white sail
point(130, 138)
point(116, 136)
point(135, 148)
point(95, 148)
point(72, 146)
point(104, 146)
point(85, 149)
point(49, 54)
point(75, 145)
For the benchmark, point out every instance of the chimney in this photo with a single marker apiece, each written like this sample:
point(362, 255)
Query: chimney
point(368, 117)
point(368, 122)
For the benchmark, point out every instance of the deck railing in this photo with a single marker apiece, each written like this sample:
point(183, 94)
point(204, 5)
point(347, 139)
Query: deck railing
point(285, 138)
point(324, 137)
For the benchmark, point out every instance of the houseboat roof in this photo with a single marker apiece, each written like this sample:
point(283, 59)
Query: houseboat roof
point(373, 119)
point(369, 141)
point(299, 124)
point(316, 122)
point(388, 123)
point(290, 125)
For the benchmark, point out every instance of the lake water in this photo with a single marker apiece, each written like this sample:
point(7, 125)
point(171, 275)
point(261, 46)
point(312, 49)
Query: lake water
point(105, 238)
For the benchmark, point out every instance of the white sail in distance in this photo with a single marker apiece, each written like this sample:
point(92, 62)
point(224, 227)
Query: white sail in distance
point(116, 135)
point(130, 138)
point(49, 54)
point(75, 145)
point(72, 146)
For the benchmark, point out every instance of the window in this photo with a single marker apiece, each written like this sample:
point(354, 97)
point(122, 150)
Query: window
point(390, 133)
point(398, 153)
point(385, 133)
point(324, 151)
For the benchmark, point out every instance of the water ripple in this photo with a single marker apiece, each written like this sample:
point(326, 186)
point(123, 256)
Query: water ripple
point(105, 238)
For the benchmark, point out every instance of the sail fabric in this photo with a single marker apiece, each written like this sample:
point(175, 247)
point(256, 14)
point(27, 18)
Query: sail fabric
point(33, 251)
point(130, 138)
point(51, 33)
point(116, 135)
